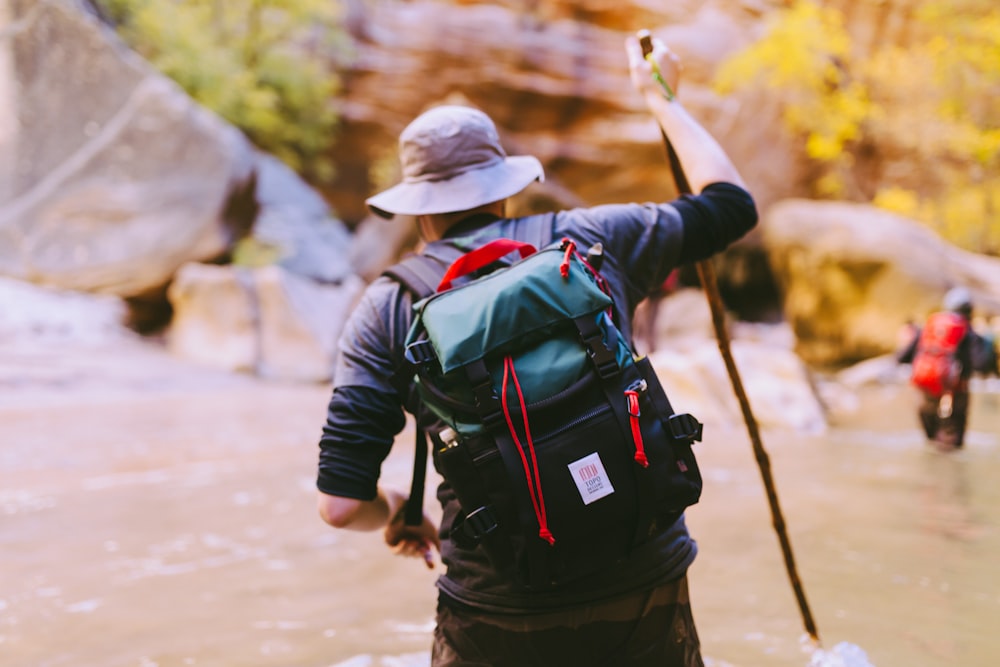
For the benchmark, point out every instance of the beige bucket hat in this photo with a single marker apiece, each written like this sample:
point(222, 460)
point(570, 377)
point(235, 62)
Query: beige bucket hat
point(452, 161)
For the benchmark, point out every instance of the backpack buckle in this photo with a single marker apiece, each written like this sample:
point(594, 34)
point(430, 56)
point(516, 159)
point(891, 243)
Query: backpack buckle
point(420, 352)
point(604, 359)
point(685, 427)
point(480, 522)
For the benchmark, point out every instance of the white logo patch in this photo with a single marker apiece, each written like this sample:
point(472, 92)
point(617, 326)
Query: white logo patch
point(591, 478)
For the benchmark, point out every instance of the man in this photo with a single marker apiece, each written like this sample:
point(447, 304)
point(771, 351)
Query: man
point(456, 181)
point(947, 342)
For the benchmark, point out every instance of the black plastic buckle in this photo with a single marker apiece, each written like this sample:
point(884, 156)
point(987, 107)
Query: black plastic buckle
point(484, 396)
point(480, 522)
point(487, 403)
point(492, 420)
point(420, 352)
point(685, 427)
point(604, 360)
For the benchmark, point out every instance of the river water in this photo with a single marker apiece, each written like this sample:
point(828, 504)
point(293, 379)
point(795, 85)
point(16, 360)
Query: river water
point(153, 514)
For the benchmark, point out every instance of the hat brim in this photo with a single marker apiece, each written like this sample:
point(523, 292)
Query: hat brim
point(465, 191)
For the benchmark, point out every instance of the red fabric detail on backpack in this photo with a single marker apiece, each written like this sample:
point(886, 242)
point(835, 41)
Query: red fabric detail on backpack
point(936, 369)
point(570, 247)
point(633, 418)
point(530, 469)
point(483, 256)
point(570, 251)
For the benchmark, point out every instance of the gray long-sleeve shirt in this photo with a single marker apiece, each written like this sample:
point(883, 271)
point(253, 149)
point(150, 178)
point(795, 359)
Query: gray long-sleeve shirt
point(642, 244)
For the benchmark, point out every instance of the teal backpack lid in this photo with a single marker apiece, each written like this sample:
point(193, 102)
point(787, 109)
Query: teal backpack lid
point(466, 323)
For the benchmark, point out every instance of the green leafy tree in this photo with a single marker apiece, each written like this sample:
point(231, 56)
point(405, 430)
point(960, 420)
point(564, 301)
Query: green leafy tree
point(260, 64)
point(914, 127)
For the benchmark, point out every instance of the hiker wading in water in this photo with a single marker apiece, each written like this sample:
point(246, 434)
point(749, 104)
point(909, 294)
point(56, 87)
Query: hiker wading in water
point(944, 353)
point(457, 178)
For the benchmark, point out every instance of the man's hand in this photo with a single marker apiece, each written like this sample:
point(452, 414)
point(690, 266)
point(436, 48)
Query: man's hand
point(702, 159)
point(413, 541)
point(641, 70)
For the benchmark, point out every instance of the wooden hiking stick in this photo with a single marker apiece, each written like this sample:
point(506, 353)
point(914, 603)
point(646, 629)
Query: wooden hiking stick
point(706, 273)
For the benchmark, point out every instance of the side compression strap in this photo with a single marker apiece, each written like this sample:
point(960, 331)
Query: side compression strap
point(418, 274)
point(414, 513)
point(536, 230)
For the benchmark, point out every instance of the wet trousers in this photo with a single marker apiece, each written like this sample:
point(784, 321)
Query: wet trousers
point(947, 432)
point(651, 628)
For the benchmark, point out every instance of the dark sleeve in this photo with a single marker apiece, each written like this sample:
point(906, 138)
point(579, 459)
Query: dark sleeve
point(984, 354)
point(966, 353)
point(365, 411)
point(361, 424)
point(644, 242)
point(720, 215)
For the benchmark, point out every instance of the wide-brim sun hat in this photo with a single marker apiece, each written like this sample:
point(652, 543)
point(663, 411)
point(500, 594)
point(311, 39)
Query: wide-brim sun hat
point(452, 161)
point(957, 299)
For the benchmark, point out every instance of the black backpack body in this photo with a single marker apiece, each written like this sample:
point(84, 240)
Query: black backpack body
point(559, 442)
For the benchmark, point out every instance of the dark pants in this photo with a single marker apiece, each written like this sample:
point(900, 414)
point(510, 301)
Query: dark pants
point(946, 432)
point(653, 628)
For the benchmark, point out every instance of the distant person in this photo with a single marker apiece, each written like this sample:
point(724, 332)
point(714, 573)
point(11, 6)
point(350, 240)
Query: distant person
point(944, 354)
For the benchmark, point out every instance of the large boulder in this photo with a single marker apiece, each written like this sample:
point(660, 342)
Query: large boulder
point(778, 386)
point(852, 275)
point(110, 176)
point(686, 353)
point(295, 220)
point(215, 317)
point(265, 321)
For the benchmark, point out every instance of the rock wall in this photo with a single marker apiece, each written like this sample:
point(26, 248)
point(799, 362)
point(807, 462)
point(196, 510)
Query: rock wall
point(852, 275)
point(111, 177)
point(554, 77)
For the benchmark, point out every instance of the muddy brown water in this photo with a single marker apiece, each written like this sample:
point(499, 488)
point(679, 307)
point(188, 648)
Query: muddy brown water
point(153, 513)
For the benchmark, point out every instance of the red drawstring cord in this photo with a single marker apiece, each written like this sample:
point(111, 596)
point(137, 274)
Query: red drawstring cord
point(570, 251)
point(534, 485)
point(599, 280)
point(633, 417)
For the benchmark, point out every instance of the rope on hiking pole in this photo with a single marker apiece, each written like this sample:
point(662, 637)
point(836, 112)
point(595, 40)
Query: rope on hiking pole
point(706, 273)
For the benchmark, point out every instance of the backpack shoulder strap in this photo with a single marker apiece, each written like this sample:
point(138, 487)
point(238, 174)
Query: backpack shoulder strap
point(420, 274)
point(536, 230)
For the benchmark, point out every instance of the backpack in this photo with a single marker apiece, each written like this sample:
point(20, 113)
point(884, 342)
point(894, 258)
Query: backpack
point(936, 367)
point(560, 445)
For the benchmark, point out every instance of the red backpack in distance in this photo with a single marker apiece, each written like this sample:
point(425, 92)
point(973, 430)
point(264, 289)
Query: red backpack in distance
point(936, 368)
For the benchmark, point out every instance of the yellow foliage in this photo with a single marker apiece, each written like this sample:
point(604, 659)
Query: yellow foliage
point(969, 218)
point(803, 55)
point(253, 253)
point(932, 107)
point(257, 63)
point(898, 200)
point(830, 185)
point(797, 52)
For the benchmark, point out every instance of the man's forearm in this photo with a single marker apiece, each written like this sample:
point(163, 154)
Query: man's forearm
point(703, 159)
point(364, 515)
